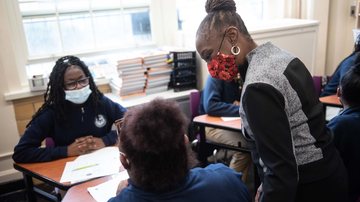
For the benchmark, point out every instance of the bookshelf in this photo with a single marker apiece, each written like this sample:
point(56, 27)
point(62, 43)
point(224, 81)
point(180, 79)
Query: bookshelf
point(183, 76)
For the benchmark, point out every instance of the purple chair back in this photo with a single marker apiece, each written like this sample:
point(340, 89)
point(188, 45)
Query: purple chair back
point(317, 84)
point(49, 142)
point(194, 103)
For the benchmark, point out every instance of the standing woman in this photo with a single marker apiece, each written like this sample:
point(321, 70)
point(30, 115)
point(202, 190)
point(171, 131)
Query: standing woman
point(281, 114)
point(75, 114)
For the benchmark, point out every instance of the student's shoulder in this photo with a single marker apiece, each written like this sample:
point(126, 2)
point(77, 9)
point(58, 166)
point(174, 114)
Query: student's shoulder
point(345, 121)
point(108, 103)
point(217, 176)
point(105, 100)
point(213, 81)
point(217, 169)
point(47, 110)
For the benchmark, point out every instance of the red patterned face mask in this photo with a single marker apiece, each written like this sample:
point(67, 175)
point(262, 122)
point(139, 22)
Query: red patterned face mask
point(223, 67)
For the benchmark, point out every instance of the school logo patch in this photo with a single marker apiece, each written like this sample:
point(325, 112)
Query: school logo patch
point(100, 121)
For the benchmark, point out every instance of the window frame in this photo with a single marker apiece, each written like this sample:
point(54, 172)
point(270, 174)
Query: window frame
point(95, 50)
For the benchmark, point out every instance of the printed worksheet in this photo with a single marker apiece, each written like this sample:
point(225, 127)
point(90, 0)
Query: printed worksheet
point(99, 163)
point(104, 191)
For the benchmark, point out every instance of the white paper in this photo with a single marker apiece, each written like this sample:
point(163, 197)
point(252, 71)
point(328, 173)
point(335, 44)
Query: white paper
point(230, 118)
point(104, 191)
point(331, 112)
point(99, 163)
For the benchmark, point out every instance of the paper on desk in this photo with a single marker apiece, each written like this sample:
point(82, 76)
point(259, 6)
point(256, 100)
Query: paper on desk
point(230, 118)
point(104, 191)
point(331, 112)
point(96, 164)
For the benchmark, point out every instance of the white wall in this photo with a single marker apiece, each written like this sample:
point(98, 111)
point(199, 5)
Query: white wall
point(323, 17)
point(298, 37)
point(12, 59)
point(340, 38)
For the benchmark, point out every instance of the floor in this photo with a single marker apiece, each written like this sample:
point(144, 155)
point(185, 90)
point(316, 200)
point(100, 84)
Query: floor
point(15, 192)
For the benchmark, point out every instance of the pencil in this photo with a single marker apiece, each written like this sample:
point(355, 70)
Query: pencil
point(84, 167)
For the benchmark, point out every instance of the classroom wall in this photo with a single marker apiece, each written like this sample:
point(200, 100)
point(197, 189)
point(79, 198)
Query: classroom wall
point(323, 18)
point(340, 37)
point(12, 58)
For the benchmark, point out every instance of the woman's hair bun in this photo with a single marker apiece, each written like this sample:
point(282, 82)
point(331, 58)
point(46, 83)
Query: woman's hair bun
point(218, 5)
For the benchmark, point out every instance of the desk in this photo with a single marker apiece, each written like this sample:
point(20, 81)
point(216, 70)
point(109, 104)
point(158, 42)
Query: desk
point(331, 100)
point(80, 193)
point(48, 172)
point(332, 106)
point(203, 121)
point(217, 122)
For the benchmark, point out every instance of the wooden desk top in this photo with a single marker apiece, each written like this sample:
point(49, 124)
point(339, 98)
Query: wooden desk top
point(213, 121)
point(80, 193)
point(331, 100)
point(49, 172)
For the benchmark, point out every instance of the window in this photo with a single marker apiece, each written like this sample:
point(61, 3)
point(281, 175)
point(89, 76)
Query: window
point(97, 28)
point(250, 11)
point(59, 27)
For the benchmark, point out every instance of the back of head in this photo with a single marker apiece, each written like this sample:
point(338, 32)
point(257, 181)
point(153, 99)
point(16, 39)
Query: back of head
point(152, 138)
point(350, 86)
point(221, 14)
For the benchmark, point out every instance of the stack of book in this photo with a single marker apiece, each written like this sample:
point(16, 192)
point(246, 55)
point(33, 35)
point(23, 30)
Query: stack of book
point(131, 77)
point(157, 73)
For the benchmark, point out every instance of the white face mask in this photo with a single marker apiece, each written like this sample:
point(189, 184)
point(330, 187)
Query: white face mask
point(78, 96)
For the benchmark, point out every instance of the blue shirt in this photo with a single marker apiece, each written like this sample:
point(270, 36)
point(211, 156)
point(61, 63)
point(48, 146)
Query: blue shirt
point(346, 130)
point(218, 97)
point(81, 121)
point(214, 183)
point(344, 66)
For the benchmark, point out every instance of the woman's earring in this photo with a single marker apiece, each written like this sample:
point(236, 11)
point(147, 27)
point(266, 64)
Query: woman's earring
point(235, 50)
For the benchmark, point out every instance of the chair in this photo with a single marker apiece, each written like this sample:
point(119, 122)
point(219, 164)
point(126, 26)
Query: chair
point(55, 194)
point(207, 148)
point(317, 84)
point(320, 82)
point(49, 142)
point(194, 103)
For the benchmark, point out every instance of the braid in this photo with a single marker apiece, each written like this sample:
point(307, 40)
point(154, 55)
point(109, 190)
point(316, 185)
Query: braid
point(220, 14)
point(55, 95)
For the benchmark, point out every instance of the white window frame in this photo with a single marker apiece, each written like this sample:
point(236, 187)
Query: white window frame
point(161, 12)
point(93, 51)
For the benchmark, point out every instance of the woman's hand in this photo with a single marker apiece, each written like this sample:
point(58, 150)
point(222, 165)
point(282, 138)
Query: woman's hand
point(96, 143)
point(85, 145)
point(237, 103)
point(258, 193)
point(78, 147)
